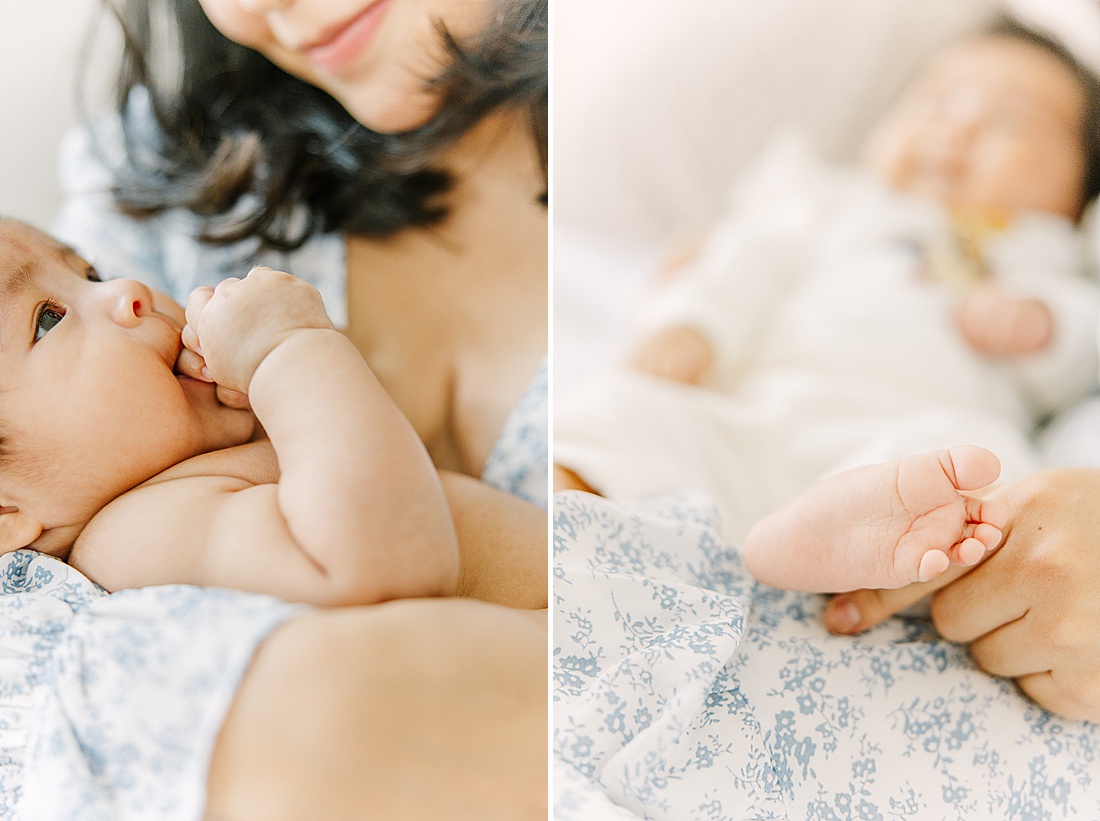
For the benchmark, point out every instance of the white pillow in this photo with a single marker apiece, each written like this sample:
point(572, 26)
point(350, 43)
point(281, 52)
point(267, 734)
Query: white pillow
point(656, 105)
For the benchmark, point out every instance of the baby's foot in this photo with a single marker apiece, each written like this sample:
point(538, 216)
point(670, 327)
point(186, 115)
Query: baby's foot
point(881, 526)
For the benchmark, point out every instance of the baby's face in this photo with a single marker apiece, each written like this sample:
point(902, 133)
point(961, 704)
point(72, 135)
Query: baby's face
point(993, 123)
point(89, 403)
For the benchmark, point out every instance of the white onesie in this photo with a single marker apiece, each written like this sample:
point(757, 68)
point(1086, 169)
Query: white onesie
point(833, 348)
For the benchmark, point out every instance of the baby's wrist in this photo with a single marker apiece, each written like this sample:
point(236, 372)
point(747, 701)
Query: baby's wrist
point(295, 342)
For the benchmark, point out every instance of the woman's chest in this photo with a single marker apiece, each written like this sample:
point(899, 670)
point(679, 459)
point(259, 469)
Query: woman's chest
point(455, 338)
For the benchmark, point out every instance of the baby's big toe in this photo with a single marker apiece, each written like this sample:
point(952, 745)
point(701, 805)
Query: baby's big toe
point(932, 564)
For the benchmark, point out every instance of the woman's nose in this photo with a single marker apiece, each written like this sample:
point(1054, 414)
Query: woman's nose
point(127, 301)
point(262, 6)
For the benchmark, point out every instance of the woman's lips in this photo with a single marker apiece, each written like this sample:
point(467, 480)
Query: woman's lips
point(342, 43)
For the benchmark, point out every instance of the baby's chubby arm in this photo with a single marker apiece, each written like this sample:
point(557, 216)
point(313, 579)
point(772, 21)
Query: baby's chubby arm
point(357, 492)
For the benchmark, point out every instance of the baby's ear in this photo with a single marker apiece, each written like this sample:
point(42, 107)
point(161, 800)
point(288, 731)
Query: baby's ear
point(18, 528)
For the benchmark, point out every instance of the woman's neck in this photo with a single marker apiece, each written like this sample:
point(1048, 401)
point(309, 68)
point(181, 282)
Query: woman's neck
point(498, 155)
point(453, 318)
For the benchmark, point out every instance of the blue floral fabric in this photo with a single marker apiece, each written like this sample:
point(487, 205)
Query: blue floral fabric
point(520, 461)
point(111, 703)
point(684, 690)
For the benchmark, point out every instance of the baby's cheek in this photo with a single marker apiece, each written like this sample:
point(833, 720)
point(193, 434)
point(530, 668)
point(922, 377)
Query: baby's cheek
point(164, 304)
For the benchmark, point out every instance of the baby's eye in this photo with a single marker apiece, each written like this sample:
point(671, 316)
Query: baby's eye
point(48, 316)
point(92, 274)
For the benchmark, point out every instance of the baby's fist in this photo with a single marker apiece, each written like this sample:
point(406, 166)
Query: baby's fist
point(680, 353)
point(234, 326)
point(997, 323)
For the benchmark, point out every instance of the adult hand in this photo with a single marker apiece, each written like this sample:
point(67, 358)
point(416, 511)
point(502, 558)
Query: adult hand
point(1030, 610)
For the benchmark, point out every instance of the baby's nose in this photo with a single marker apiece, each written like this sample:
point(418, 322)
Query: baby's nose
point(128, 300)
point(960, 115)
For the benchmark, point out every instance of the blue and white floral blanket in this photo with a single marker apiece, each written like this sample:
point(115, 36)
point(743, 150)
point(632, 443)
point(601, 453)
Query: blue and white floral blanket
point(110, 705)
point(683, 691)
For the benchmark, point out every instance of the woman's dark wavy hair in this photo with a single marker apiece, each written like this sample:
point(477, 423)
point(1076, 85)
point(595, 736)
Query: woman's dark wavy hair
point(232, 125)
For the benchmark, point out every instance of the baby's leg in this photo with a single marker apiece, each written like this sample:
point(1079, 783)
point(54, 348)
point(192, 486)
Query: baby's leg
point(881, 526)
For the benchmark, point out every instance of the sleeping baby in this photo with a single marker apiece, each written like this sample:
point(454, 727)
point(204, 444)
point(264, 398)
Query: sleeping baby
point(839, 320)
point(136, 451)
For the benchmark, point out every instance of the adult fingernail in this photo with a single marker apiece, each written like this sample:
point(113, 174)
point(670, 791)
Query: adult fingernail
point(842, 615)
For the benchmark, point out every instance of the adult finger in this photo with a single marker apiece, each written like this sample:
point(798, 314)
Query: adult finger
point(860, 610)
point(986, 511)
point(1012, 650)
point(1046, 690)
point(966, 611)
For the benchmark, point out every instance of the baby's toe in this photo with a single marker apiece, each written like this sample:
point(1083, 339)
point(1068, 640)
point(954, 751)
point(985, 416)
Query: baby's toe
point(989, 535)
point(932, 564)
point(969, 552)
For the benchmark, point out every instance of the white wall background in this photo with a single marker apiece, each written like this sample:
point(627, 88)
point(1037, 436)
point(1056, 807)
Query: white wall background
point(40, 68)
point(657, 105)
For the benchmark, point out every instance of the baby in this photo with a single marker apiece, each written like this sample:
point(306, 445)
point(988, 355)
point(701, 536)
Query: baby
point(118, 454)
point(839, 318)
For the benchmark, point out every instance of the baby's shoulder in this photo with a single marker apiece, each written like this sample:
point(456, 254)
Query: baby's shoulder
point(152, 533)
point(254, 463)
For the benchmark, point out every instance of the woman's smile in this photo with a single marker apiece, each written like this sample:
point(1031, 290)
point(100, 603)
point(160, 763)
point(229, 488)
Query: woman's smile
point(340, 44)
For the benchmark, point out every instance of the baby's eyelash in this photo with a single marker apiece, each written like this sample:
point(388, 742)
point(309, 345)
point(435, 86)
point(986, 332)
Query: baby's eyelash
point(47, 311)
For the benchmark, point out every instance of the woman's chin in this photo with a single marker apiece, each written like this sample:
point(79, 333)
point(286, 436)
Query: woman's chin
point(389, 112)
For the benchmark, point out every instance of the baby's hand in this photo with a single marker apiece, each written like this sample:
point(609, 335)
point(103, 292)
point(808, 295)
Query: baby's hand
point(998, 323)
point(681, 353)
point(232, 328)
point(190, 363)
point(193, 365)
